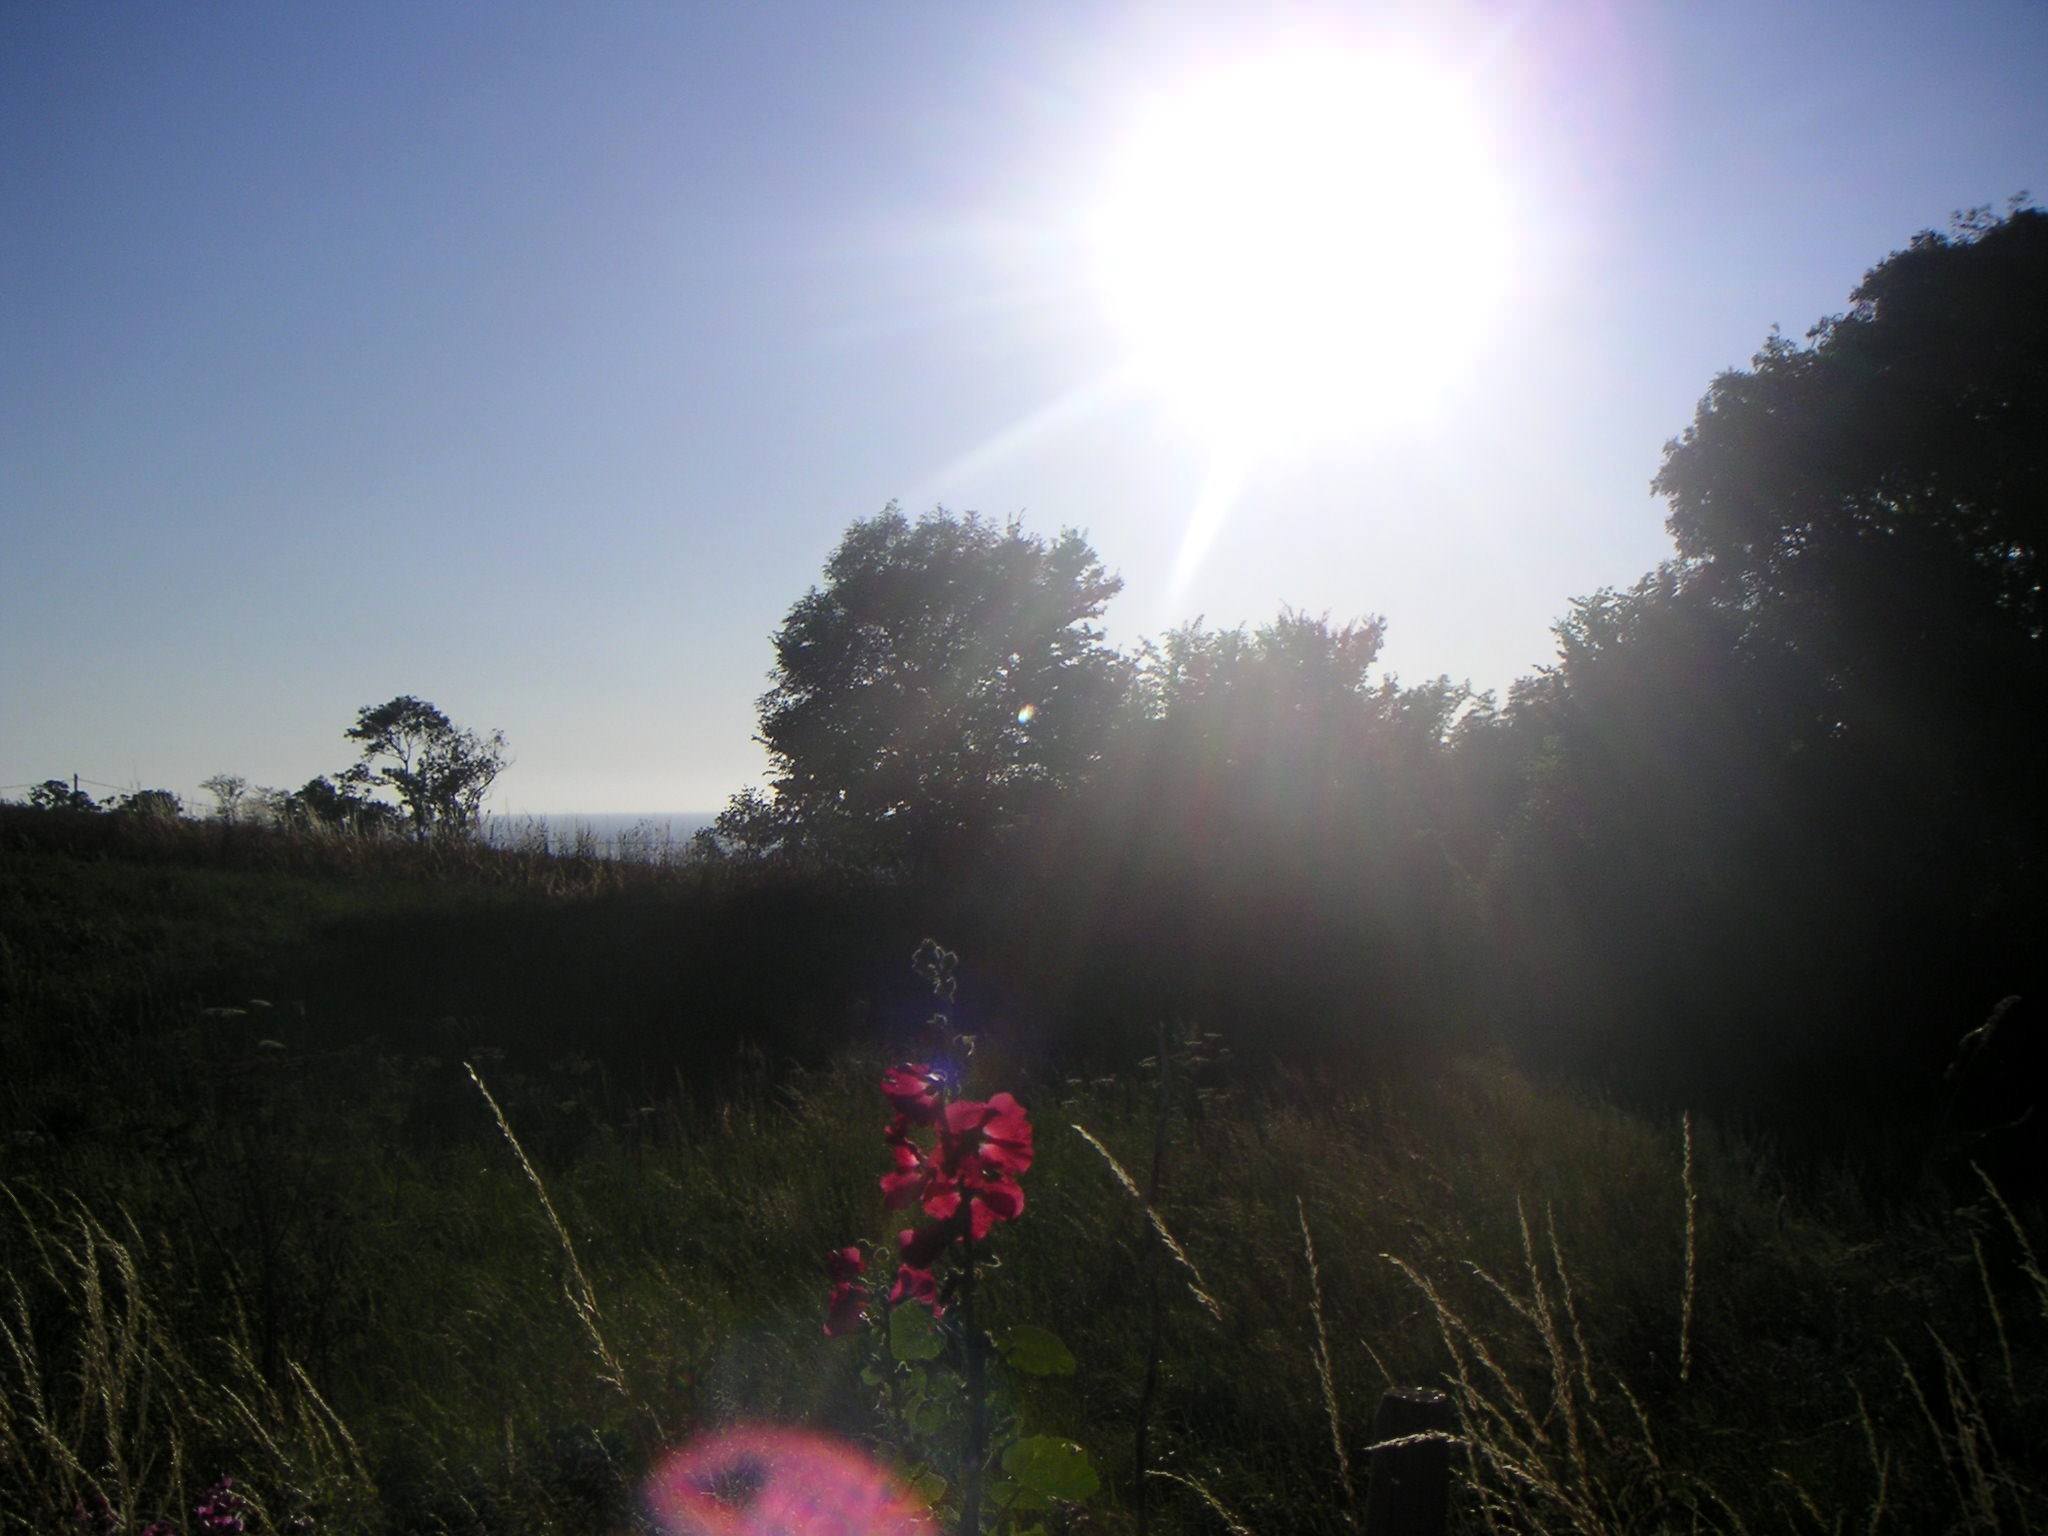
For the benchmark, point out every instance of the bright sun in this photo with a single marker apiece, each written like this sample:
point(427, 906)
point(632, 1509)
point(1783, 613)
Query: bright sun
point(1305, 246)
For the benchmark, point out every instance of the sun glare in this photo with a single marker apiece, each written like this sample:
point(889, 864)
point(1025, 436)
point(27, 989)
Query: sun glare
point(1302, 247)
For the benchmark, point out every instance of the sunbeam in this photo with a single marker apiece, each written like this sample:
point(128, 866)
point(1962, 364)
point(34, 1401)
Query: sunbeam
point(1222, 485)
point(1102, 393)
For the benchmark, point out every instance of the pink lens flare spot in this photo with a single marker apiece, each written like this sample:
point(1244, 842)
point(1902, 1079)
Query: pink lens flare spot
point(759, 1480)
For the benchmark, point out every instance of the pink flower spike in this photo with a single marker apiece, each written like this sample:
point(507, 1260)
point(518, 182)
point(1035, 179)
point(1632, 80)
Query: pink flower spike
point(906, 1188)
point(844, 1264)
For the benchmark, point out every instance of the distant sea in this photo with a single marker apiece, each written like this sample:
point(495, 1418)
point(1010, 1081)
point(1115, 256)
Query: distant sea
point(649, 835)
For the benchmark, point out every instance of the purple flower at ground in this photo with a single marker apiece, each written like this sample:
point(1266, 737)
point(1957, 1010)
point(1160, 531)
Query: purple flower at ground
point(222, 1509)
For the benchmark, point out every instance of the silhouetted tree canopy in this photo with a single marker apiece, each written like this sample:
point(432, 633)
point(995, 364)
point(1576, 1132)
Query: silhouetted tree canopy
point(1903, 450)
point(60, 795)
point(942, 687)
point(229, 791)
point(1263, 847)
point(439, 772)
point(322, 802)
point(1780, 839)
point(1877, 500)
point(1767, 838)
point(159, 805)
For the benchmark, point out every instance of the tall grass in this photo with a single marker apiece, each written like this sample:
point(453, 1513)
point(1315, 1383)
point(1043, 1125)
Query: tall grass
point(640, 858)
point(105, 1406)
point(1551, 1251)
point(301, 1248)
point(1520, 1250)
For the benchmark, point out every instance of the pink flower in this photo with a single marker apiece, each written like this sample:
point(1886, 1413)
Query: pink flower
point(846, 1306)
point(910, 1175)
point(996, 1135)
point(912, 1090)
point(981, 1150)
point(919, 1246)
point(846, 1310)
point(986, 1201)
point(915, 1285)
point(967, 1180)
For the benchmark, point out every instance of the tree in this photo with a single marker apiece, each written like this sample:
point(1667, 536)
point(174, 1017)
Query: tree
point(322, 802)
point(1916, 424)
point(1878, 498)
point(439, 773)
point(153, 805)
point(942, 687)
point(1781, 834)
point(57, 795)
point(1875, 505)
point(229, 790)
point(1677, 809)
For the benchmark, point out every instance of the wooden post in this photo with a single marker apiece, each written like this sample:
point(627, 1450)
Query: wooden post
point(1409, 1491)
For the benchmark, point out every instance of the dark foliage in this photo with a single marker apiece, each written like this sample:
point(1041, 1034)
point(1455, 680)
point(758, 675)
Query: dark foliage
point(1783, 843)
point(1767, 838)
point(159, 805)
point(56, 795)
point(439, 772)
point(323, 803)
point(943, 686)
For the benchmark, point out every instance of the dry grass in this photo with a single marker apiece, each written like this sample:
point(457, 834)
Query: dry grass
point(102, 1404)
point(576, 1287)
point(1197, 1286)
point(1543, 1255)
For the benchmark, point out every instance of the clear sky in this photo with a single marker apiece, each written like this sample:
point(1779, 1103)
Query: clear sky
point(532, 360)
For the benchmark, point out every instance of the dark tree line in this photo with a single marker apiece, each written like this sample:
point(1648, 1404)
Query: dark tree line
point(436, 774)
point(1767, 837)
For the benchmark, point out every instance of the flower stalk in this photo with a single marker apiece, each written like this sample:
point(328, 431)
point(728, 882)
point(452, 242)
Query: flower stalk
point(954, 1162)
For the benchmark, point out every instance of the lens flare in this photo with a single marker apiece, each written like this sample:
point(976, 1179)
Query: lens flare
point(760, 1480)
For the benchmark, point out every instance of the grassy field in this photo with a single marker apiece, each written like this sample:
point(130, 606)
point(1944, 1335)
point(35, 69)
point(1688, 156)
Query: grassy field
point(258, 1220)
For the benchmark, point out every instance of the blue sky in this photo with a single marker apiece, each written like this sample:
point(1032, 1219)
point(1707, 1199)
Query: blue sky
point(532, 360)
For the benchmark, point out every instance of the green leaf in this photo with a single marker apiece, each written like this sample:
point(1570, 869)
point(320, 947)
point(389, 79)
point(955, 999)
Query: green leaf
point(928, 1486)
point(1009, 1499)
point(1036, 1352)
point(930, 1417)
point(913, 1335)
point(1057, 1468)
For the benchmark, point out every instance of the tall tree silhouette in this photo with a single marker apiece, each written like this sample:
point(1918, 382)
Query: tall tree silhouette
point(439, 772)
point(1781, 836)
point(940, 688)
point(1878, 498)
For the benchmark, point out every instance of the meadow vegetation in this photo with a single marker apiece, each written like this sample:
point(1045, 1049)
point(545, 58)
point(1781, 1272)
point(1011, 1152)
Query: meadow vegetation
point(259, 1221)
point(1650, 1061)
